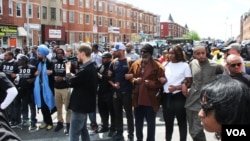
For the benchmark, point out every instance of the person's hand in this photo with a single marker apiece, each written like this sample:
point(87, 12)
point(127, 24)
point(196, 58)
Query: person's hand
point(128, 76)
point(184, 89)
point(171, 88)
point(116, 85)
point(138, 80)
point(37, 73)
point(68, 66)
point(163, 80)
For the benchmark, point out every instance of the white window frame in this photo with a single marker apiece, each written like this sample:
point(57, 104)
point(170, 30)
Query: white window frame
point(51, 18)
point(72, 37)
point(87, 19)
point(64, 16)
point(1, 7)
point(94, 20)
point(95, 5)
point(20, 9)
point(87, 3)
point(100, 21)
point(80, 3)
point(71, 2)
point(46, 16)
point(128, 24)
point(29, 12)
point(71, 16)
point(10, 8)
point(111, 8)
point(81, 18)
point(64, 1)
point(100, 6)
point(38, 12)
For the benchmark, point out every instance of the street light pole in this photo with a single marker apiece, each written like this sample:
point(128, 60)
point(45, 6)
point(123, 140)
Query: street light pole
point(27, 14)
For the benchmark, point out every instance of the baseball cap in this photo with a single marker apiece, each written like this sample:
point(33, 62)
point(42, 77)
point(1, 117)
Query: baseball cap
point(106, 55)
point(119, 46)
point(235, 46)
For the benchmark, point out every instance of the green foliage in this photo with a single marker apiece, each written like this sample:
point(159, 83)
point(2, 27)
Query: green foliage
point(192, 35)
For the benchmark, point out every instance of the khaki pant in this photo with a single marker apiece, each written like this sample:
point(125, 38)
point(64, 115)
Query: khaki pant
point(62, 97)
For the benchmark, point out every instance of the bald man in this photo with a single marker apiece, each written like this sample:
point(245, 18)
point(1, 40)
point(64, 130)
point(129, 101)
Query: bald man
point(234, 68)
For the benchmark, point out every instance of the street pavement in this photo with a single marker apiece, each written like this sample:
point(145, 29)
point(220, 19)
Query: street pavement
point(43, 135)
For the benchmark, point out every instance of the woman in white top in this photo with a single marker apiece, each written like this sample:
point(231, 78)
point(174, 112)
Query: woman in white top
point(177, 72)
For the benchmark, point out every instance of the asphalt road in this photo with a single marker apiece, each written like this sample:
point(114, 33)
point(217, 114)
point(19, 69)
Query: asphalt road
point(43, 135)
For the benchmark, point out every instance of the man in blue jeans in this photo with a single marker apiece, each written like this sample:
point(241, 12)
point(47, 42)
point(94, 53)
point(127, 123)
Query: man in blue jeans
point(83, 97)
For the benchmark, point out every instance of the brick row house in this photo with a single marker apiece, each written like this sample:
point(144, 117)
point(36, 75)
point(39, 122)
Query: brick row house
point(32, 22)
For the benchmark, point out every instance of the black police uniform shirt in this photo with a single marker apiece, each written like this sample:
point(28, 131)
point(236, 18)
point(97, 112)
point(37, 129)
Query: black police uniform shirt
point(25, 73)
point(9, 67)
point(59, 70)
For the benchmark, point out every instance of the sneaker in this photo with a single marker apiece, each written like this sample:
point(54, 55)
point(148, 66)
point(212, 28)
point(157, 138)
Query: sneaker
point(102, 130)
point(43, 125)
point(32, 127)
point(94, 128)
point(13, 124)
point(26, 123)
point(59, 126)
point(66, 130)
point(49, 127)
point(111, 133)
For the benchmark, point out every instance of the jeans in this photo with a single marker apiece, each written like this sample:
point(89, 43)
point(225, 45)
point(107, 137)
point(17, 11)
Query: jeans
point(123, 100)
point(148, 113)
point(78, 127)
point(92, 117)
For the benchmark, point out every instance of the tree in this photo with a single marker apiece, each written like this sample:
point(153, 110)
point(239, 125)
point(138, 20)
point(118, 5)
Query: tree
point(192, 35)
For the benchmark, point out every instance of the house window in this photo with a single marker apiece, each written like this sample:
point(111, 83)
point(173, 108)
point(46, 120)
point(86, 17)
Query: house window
point(1, 7)
point(64, 1)
point(72, 37)
point(81, 3)
point(100, 6)
point(64, 16)
point(119, 23)
point(87, 19)
point(100, 21)
point(110, 22)
point(71, 2)
point(10, 8)
point(110, 8)
point(81, 18)
point(44, 12)
point(60, 14)
point(94, 20)
point(38, 12)
point(53, 13)
point(29, 10)
point(18, 9)
point(87, 3)
point(71, 16)
point(94, 4)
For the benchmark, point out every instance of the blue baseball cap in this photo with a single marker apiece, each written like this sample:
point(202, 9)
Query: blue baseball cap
point(119, 46)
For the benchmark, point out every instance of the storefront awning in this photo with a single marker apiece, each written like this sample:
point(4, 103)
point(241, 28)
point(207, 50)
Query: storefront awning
point(21, 31)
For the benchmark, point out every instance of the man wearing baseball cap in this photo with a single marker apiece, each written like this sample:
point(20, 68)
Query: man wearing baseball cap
point(122, 91)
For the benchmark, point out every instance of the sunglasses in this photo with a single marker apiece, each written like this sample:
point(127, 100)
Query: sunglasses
point(234, 65)
point(206, 107)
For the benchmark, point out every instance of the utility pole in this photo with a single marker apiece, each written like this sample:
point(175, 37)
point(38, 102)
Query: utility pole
point(28, 26)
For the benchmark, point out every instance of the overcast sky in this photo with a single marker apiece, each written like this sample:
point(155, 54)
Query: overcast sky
point(214, 18)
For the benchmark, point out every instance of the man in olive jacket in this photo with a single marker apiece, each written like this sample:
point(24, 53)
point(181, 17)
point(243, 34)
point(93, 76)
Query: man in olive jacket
point(148, 78)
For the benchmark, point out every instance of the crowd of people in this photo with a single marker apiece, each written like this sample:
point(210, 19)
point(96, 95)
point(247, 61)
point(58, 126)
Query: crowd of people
point(197, 89)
